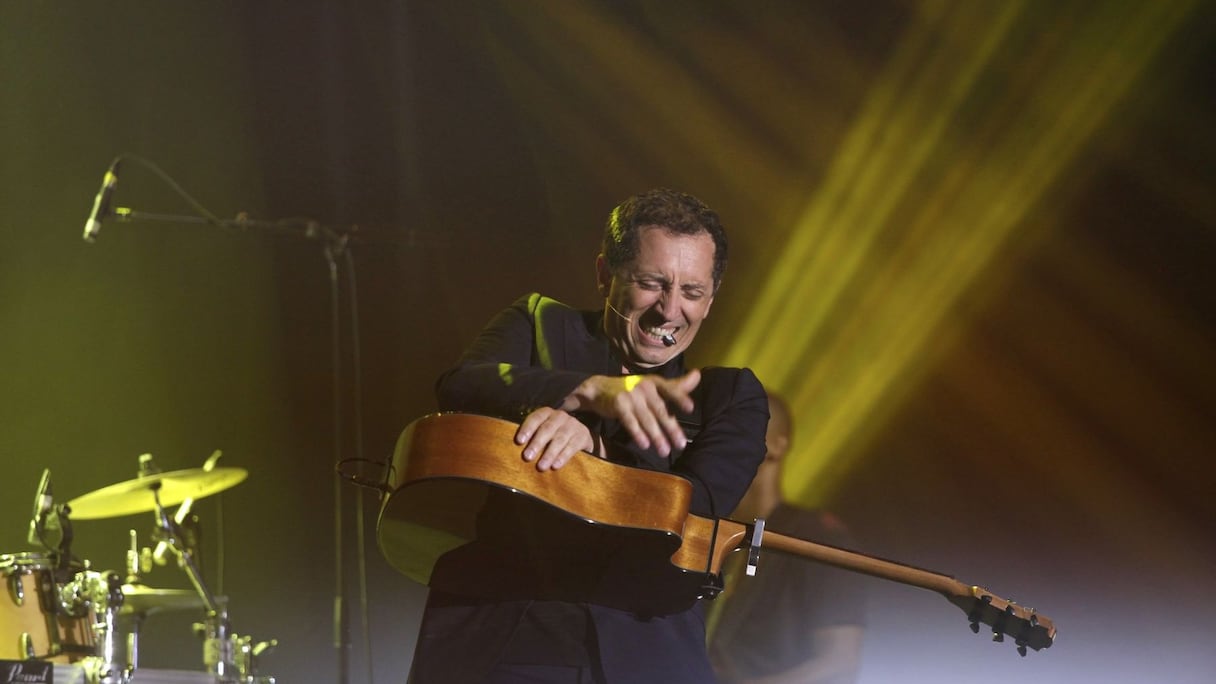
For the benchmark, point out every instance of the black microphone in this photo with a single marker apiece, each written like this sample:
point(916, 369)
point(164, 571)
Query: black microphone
point(669, 340)
point(43, 501)
point(44, 504)
point(101, 204)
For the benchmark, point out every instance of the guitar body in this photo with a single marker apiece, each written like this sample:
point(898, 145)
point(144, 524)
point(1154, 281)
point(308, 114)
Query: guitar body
point(466, 514)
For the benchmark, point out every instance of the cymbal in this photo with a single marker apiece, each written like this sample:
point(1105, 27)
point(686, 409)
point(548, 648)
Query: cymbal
point(138, 599)
point(135, 496)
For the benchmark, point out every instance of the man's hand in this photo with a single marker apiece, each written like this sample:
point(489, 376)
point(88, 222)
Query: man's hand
point(641, 403)
point(551, 437)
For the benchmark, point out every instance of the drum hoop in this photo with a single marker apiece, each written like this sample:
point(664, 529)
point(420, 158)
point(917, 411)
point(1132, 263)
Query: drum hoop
point(27, 559)
point(33, 561)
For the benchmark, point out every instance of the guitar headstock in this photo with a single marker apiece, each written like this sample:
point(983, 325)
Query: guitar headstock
point(1027, 627)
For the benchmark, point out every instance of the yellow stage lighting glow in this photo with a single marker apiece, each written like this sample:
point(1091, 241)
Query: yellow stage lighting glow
point(976, 118)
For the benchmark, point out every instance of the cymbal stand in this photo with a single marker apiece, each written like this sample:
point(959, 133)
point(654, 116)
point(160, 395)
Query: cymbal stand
point(218, 656)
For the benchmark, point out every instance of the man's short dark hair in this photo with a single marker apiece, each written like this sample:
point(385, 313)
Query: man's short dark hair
point(676, 212)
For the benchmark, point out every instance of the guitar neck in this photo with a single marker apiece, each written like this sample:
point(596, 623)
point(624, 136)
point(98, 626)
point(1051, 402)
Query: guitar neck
point(1028, 628)
point(869, 565)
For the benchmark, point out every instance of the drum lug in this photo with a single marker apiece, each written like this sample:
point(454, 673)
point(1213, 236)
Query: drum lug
point(16, 589)
point(26, 646)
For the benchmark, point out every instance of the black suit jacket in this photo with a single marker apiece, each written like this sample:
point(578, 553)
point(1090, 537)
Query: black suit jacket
point(534, 354)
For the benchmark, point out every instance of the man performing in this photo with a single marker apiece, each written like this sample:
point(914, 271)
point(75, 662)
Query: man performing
point(611, 383)
point(796, 621)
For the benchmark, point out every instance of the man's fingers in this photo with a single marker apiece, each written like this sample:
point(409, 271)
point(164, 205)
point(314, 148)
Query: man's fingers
point(564, 446)
point(530, 423)
point(658, 423)
point(536, 431)
point(691, 379)
point(679, 390)
point(666, 433)
point(644, 409)
point(630, 422)
point(552, 437)
point(675, 432)
point(557, 454)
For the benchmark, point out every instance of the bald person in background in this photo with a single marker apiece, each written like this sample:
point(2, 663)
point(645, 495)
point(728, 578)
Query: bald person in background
point(796, 620)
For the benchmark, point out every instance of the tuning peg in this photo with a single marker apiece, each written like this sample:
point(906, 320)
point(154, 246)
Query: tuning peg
point(998, 625)
point(1021, 647)
point(976, 614)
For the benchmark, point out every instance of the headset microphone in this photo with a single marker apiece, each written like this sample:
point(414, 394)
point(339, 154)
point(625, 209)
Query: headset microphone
point(669, 340)
point(628, 319)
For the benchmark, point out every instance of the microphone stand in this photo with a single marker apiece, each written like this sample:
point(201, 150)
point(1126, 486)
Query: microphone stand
point(336, 237)
point(337, 240)
point(334, 249)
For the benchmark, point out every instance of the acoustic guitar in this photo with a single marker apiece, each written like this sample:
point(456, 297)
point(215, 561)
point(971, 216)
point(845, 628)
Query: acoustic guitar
point(463, 512)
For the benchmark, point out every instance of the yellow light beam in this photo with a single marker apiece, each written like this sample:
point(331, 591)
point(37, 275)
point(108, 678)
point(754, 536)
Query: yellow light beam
point(937, 176)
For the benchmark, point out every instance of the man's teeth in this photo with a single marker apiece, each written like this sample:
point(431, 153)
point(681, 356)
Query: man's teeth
point(660, 332)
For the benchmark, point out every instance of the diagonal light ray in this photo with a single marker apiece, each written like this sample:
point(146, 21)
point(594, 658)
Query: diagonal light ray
point(916, 209)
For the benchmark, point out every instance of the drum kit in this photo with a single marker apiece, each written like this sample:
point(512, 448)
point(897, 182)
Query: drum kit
point(59, 610)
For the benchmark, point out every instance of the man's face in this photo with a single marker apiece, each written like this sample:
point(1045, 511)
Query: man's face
point(667, 290)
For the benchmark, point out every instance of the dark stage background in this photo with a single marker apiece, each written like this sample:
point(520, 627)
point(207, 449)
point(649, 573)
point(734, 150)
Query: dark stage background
point(1038, 422)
